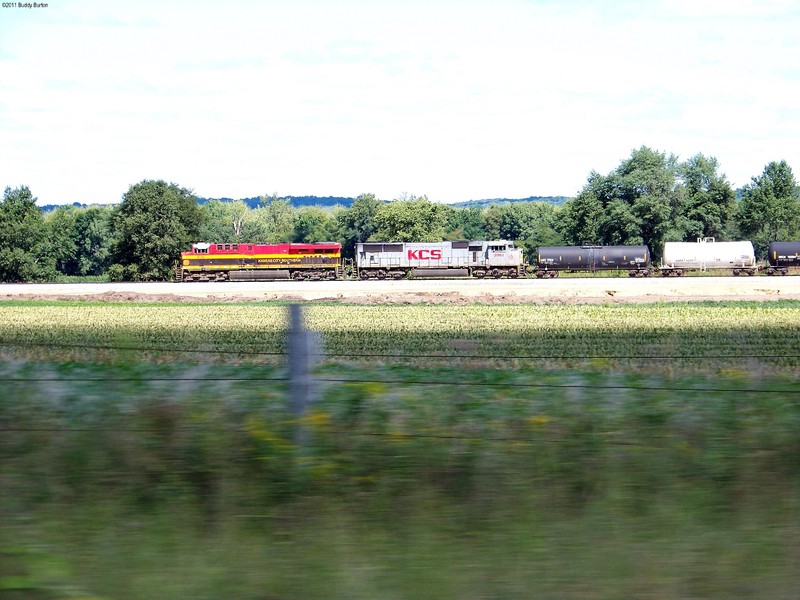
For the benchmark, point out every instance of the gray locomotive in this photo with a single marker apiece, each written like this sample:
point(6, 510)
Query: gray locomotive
point(397, 260)
point(590, 258)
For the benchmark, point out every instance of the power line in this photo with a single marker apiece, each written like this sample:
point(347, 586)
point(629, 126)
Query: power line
point(401, 382)
point(132, 379)
point(407, 356)
point(562, 387)
point(392, 435)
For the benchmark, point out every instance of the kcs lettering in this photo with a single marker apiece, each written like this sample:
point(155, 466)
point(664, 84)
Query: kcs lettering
point(424, 254)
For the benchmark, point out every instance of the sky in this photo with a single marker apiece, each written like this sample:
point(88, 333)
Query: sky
point(453, 100)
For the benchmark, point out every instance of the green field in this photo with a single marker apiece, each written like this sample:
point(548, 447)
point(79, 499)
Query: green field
point(662, 338)
point(147, 451)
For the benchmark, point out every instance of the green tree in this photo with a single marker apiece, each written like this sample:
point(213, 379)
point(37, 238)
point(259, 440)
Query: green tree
point(709, 202)
point(464, 223)
point(492, 221)
point(93, 239)
point(412, 219)
point(529, 224)
point(770, 207)
point(357, 223)
point(63, 238)
point(582, 217)
point(226, 222)
point(80, 239)
point(637, 203)
point(314, 224)
point(26, 253)
point(274, 220)
point(154, 223)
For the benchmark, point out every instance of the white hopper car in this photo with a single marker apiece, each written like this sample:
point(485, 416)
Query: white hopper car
point(708, 254)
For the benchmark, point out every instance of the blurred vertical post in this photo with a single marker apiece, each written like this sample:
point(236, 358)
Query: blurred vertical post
point(304, 350)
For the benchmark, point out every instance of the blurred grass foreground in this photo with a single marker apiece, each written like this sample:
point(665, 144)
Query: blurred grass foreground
point(130, 478)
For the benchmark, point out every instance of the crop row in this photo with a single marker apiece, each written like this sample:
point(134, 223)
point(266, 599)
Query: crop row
point(725, 335)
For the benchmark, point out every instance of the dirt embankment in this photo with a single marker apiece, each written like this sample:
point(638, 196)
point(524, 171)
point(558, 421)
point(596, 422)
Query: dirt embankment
point(609, 295)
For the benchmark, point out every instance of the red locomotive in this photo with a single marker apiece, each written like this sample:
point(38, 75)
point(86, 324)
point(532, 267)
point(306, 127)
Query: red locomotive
point(260, 262)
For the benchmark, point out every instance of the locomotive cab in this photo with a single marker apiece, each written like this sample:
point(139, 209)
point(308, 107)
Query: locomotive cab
point(502, 253)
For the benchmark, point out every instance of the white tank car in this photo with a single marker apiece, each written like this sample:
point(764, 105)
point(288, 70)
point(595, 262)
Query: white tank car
point(707, 254)
point(396, 260)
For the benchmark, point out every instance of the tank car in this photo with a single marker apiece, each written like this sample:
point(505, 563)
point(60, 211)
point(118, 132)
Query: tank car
point(260, 262)
point(708, 254)
point(781, 256)
point(553, 259)
point(397, 260)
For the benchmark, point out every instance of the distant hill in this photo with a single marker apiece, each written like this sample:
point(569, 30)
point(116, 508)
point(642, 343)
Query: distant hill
point(52, 207)
point(557, 200)
point(331, 201)
point(296, 201)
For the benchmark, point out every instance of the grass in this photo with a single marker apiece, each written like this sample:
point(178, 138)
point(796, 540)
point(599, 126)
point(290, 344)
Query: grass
point(674, 337)
point(136, 480)
point(177, 472)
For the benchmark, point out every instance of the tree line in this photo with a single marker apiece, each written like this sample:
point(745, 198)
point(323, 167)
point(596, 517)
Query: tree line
point(650, 198)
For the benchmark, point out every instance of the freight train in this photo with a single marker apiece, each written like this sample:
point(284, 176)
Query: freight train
point(477, 259)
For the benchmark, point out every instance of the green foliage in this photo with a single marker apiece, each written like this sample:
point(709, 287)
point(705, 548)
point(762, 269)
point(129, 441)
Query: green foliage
point(581, 218)
point(475, 478)
point(770, 207)
point(464, 223)
point(93, 240)
point(639, 202)
point(412, 219)
point(709, 203)
point(314, 224)
point(81, 239)
point(225, 222)
point(154, 223)
point(530, 224)
point(357, 223)
point(274, 219)
point(26, 252)
point(503, 480)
